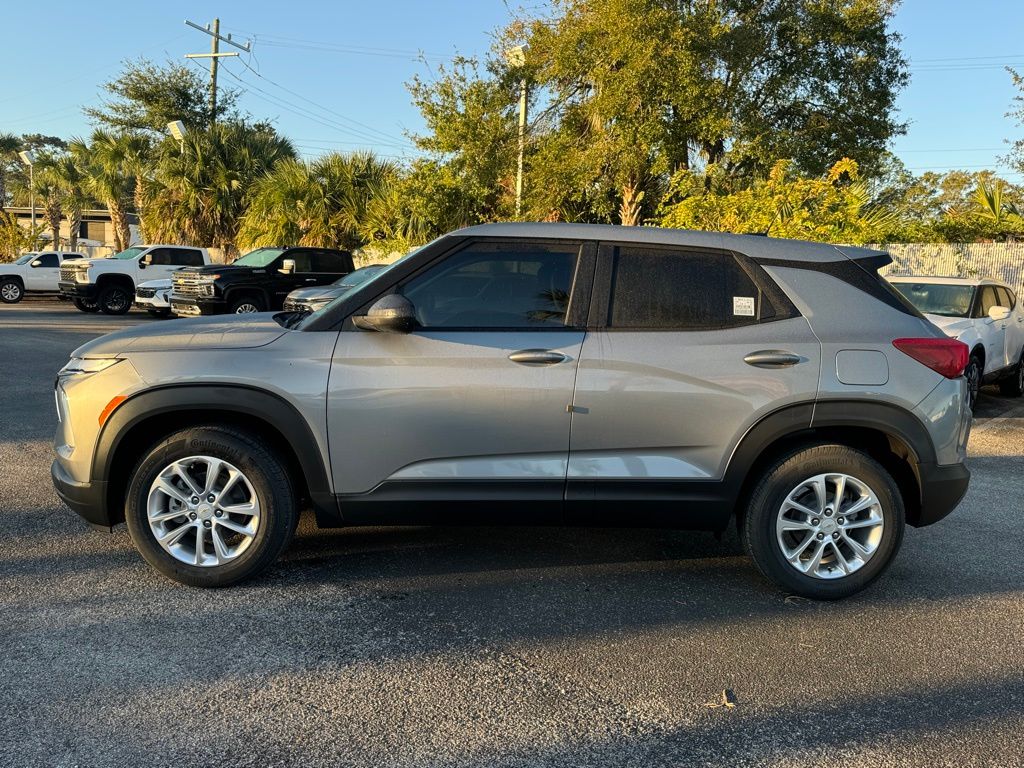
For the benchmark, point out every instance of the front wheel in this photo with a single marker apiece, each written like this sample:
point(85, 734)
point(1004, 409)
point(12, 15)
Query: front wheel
point(824, 522)
point(115, 300)
point(973, 373)
point(11, 292)
point(210, 506)
point(247, 305)
point(87, 305)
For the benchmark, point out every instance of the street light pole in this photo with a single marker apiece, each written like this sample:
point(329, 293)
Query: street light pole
point(28, 157)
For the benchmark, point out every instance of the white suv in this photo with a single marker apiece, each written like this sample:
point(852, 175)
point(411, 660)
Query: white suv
point(985, 315)
point(32, 272)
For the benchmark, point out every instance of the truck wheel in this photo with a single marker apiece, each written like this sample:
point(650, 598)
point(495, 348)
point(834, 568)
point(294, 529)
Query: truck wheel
point(210, 506)
point(115, 300)
point(86, 305)
point(11, 291)
point(824, 522)
point(246, 305)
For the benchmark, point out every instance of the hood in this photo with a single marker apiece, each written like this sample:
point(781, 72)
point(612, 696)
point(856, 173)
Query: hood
point(951, 326)
point(216, 332)
point(321, 292)
point(160, 284)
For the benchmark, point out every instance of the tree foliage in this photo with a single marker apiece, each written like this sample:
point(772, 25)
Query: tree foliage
point(146, 96)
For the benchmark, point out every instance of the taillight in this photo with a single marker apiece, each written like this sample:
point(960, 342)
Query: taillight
point(946, 356)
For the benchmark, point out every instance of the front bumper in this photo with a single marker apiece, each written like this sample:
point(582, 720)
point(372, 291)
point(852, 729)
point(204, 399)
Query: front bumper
point(78, 290)
point(87, 499)
point(194, 307)
point(943, 487)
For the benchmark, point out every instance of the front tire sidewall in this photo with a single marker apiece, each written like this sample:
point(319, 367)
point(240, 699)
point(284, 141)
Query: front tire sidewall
point(973, 374)
point(11, 292)
point(82, 305)
point(263, 470)
point(759, 524)
point(108, 305)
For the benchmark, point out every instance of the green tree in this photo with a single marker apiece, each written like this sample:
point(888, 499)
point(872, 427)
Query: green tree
point(16, 239)
point(10, 145)
point(337, 201)
point(146, 96)
point(63, 176)
point(199, 191)
point(836, 207)
point(104, 162)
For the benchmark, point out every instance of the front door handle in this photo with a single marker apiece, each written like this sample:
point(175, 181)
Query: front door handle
point(772, 358)
point(537, 357)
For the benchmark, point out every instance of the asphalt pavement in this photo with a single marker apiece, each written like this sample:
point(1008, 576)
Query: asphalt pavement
point(494, 646)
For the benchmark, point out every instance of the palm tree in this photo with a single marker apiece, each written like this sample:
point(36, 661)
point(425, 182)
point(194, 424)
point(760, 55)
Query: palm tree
point(63, 174)
point(198, 193)
point(9, 145)
point(105, 161)
point(138, 153)
point(337, 201)
point(50, 192)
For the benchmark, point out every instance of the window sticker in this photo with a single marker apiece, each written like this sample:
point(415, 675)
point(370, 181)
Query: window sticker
point(743, 306)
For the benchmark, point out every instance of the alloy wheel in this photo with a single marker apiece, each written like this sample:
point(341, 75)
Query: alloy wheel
point(830, 526)
point(245, 308)
point(203, 511)
point(10, 292)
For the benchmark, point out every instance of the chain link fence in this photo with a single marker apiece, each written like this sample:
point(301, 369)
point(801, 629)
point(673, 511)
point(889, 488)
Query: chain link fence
point(1001, 261)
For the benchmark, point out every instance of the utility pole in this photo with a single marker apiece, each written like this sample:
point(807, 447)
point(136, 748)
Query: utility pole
point(28, 157)
point(516, 57)
point(214, 55)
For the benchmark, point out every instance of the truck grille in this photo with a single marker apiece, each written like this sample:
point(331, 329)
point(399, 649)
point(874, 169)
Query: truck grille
point(67, 274)
point(190, 284)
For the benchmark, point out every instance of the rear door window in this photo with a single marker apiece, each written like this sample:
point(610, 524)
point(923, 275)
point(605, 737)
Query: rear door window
point(664, 288)
point(329, 261)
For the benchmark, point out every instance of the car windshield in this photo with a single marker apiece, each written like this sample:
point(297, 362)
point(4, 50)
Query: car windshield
point(939, 298)
point(26, 258)
point(261, 257)
point(128, 253)
point(358, 276)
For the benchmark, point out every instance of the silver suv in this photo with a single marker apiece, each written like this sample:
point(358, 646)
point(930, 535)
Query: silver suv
point(536, 373)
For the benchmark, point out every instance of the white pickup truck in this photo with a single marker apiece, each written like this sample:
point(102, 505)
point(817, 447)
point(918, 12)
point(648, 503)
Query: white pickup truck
point(31, 273)
point(108, 285)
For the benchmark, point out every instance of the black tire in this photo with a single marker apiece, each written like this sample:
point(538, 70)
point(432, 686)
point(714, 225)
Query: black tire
point(240, 305)
point(1013, 385)
point(973, 373)
point(758, 528)
point(260, 466)
point(85, 305)
point(116, 299)
point(11, 291)
point(160, 313)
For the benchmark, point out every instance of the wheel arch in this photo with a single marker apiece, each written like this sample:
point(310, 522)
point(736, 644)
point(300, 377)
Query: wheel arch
point(103, 280)
point(14, 276)
point(234, 292)
point(892, 436)
point(148, 417)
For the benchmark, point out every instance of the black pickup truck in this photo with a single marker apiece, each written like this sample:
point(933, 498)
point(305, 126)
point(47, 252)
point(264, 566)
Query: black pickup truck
point(257, 282)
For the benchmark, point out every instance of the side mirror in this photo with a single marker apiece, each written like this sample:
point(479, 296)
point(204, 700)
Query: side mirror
point(389, 314)
point(145, 261)
point(287, 267)
point(999, 313)
point(37, 263)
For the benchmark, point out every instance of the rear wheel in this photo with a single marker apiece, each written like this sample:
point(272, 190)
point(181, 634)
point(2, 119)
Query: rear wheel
point(115, 300)
point(11, 292)
point(87, 305)
point(210, 506)
point(824, 522)
point(973, 373)
point(245, 305)
point(1013, 385)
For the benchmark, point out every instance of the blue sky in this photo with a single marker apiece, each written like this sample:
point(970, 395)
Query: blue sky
point(333, 74)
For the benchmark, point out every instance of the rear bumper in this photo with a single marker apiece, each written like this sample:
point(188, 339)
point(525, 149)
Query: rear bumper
point(943, 487)
point(86, 499)
point(78, 290)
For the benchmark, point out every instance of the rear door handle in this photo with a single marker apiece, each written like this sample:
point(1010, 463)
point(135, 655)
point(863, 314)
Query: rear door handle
point(537, 357)
point(772, 358)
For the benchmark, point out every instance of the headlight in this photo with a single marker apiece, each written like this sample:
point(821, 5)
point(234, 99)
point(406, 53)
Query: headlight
point(82, 275)
point(82, 365)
